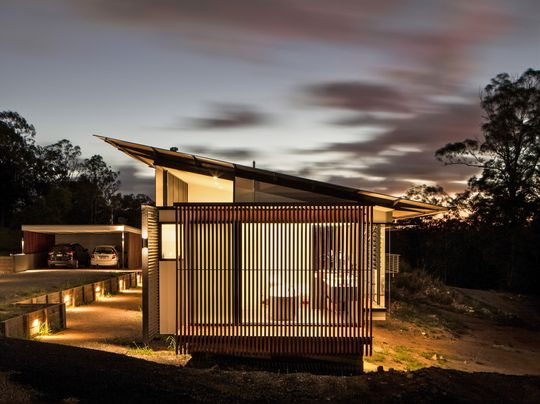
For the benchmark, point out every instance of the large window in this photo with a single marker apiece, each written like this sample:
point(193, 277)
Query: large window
point(168, 237)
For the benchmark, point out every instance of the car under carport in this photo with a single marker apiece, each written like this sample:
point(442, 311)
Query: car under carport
point(39, 239)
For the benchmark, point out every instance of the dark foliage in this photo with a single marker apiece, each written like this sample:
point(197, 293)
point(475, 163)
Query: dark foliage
point(53, 185)
point(490, 236)
point(473, 256)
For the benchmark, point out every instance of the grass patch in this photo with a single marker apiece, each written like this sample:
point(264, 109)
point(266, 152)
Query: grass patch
point(405, 356)
point(140, 350)
point(430, 318)
point(377, 357)
point(44, 330)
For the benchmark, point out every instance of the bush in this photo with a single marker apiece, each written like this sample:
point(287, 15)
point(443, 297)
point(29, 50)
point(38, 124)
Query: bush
point(419, 285)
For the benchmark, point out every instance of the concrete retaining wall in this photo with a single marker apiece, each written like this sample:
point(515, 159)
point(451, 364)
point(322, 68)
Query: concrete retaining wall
point(22, 262)
point(6, 264)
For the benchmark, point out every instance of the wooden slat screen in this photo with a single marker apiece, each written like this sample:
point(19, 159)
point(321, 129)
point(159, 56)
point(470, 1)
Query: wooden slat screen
point(274, 278)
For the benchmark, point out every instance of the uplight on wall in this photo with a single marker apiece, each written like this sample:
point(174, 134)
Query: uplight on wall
point(97, 291)
point(67, 300)
point(34, 329)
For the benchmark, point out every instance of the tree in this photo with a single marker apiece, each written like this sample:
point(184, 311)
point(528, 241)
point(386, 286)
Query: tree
point(127, 208)
point(507, 191)
point(506, 194)
point(61, 162)
point(19, 166)
point(100, 182)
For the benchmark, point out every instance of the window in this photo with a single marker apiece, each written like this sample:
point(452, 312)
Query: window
point(168, 236)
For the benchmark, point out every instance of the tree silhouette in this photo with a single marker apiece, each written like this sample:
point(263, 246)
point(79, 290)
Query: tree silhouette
point(508, 190)
point(19, 165)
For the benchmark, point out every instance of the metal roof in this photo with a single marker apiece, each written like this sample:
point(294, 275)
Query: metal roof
point(79, 228)
point(154, 156)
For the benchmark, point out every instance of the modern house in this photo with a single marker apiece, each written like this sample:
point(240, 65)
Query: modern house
point(241, 260)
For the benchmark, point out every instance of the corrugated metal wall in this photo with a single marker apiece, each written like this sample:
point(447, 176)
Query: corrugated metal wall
point(150, 261)
point(275, 279)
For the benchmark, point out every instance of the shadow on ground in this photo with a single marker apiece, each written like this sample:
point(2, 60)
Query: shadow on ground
point(316, 366)
point(57, 372)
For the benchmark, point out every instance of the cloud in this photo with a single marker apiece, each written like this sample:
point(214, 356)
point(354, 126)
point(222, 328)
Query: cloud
point(133, 180)
point(358, 96)
point(247, 20)
point(403, 155)
point(369, 119)
point(227, 116)
point(234, 155)
point(429, 44)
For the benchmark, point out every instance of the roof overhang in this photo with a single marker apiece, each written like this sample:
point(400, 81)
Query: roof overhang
point(79, 228)
point(157, 157)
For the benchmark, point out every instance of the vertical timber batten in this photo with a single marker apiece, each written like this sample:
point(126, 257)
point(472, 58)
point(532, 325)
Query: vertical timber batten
point(262, 278)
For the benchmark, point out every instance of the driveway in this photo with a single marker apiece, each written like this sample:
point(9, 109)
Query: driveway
point(109, 324)
point(14, 287)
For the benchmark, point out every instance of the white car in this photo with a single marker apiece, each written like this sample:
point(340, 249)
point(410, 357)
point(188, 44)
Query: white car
point(105, 256)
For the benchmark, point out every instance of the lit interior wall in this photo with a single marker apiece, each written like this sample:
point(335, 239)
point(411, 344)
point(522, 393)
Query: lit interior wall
point(167, 297)
point(212, 271)
point(203, 188)
point(276, 262)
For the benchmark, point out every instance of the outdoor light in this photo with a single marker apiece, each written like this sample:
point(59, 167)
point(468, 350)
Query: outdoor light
point(67, 300)
point(35, 325)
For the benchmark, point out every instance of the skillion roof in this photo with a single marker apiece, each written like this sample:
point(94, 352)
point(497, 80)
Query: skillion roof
point(154, 156)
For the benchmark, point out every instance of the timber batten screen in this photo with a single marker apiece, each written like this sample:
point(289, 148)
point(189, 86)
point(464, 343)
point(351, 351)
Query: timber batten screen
point(261, 278)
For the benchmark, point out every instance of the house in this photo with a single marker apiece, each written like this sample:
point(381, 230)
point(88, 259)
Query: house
point(246, 261)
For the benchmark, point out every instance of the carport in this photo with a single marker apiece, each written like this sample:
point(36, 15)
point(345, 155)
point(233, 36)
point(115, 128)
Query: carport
point(38, 240)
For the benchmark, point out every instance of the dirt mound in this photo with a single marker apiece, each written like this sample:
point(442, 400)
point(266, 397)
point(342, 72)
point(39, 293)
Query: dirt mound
point(57, 372)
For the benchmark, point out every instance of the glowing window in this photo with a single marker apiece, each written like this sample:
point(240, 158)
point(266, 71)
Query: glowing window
point(168, 249)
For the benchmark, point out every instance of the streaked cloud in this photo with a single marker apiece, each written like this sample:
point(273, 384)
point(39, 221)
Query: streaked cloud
point(228, 116)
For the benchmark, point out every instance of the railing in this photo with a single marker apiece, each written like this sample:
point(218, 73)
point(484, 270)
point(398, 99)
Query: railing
point(274, 278)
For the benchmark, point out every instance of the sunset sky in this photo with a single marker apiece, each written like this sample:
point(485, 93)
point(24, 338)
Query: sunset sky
point(359, 93)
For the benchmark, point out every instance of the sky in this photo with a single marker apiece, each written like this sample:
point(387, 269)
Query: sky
point(358, 93)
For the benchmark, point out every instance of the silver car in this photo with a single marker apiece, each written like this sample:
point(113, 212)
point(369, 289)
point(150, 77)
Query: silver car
point(105, 256)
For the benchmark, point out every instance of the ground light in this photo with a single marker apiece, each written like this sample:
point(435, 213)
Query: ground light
point(35, 327)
